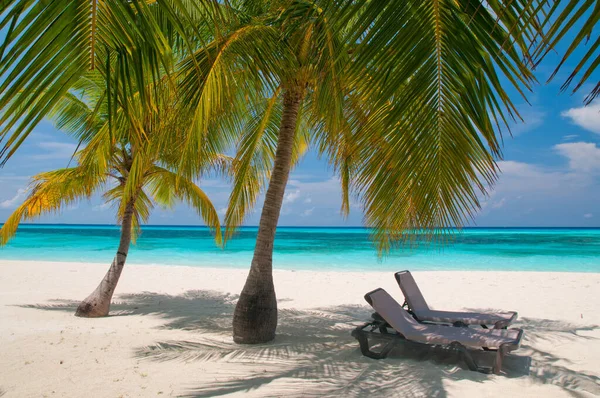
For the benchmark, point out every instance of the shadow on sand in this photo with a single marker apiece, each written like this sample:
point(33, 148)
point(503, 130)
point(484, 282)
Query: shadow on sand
point(314, 354)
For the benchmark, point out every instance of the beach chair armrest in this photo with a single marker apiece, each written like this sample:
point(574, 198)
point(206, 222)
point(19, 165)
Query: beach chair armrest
point(503, 324)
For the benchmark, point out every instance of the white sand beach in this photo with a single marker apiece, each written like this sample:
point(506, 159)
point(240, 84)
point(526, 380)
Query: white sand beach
point(169, 335)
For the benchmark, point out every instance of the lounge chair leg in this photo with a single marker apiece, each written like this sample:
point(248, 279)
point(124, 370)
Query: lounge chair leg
point(499, 359)
point(363, 342)
point(466, 356)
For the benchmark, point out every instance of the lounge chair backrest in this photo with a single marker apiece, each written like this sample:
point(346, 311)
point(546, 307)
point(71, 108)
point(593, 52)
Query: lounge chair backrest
point(391, 311)
point(412, 294)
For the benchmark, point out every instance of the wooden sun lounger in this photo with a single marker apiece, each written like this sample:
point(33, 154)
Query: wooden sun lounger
point(418, 307)
point(407, 330)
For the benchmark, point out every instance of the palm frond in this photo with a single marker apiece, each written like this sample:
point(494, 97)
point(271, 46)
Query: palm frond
point(50, 192)
point(218, 80)
point(160, 179)
point(254, 159)
point(563, 18)
point(50, 45)
point(427, 77)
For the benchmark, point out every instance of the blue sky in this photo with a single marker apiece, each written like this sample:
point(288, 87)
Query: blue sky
point(550, 172)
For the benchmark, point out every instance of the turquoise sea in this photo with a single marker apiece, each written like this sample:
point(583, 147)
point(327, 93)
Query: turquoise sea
point(525, 249)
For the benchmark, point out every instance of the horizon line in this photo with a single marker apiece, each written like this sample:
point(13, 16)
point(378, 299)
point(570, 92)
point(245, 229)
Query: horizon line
point(309, 226)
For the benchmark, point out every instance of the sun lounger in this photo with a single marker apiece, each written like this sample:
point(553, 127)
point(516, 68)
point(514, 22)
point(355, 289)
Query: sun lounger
point(409, 331)
point(418, 307)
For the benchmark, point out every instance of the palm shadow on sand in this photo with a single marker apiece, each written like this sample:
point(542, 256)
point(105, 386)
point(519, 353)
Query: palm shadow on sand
point(314, 354)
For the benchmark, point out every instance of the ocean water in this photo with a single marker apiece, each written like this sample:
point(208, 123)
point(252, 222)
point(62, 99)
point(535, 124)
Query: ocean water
point(519, 249)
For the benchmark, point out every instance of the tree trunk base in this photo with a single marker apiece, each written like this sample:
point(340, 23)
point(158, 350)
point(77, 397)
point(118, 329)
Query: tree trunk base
point(255, 318)
point(93, 307)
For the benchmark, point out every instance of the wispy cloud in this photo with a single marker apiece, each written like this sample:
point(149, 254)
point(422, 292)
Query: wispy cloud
point(587, 117)
point(583, 156)
point(570, 137)
point(14, 201)
point(532, 119)
point(6, 178)
point(102, 207)
point(307, 212)
point(588, 215)
point(54, 150)
point(499, 204)
point(291, 197)
point(519, 178)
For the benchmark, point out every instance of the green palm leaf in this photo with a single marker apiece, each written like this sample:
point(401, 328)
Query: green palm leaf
point(50, 192)
point(562, 19)
point(50, 45)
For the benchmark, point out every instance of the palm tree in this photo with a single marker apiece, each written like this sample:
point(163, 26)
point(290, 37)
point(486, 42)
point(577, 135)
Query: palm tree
point(51, 191)
point(402, 97)
point(134, 173)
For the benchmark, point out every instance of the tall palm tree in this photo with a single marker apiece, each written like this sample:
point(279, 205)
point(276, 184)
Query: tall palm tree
point(402, 97)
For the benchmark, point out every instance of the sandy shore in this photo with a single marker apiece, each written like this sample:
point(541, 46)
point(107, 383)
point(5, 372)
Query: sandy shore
point(170, 335)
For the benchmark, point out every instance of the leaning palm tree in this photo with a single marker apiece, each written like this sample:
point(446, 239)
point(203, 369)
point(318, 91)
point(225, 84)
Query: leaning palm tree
point(403, 97)
point(51, 191)
point(133, 171)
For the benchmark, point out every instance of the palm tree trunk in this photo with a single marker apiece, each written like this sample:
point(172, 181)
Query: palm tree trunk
point(255, 315)
point(97, 304)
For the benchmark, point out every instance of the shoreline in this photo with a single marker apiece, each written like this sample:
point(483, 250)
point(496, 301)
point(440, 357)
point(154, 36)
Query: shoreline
point(169, 334)
point(212, 268)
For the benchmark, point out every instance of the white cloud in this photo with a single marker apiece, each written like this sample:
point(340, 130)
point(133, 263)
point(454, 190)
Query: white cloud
point(587, 117)
point(532, 119)
point(213, 183)
point(499, 204)
point(290, 197)
point(570, 137)
point(529, 180)
point(7, 178)
point(102, 207)
point(583, 156)
point(222, 211)
point(308, 200)
point(526, 191)
point(588, 215)
point(14, 201)
point(307, 212)
point(55, 150)
point(355, 205)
